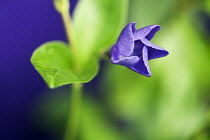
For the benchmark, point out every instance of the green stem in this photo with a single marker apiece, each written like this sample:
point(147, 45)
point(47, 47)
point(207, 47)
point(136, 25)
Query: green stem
point(71, 38)
point(74, 112)
point(63, 7)
point(69, 29)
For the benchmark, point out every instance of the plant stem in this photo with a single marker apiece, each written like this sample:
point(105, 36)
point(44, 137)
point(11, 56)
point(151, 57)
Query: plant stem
point(63, 7)
point(69, 29)
point(71, 38)
point(74, 112)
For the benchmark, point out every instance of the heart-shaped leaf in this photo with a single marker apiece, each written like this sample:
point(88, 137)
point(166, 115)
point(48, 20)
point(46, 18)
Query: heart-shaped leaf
point(53, 61)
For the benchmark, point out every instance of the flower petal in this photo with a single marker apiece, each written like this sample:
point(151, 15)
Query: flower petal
point(117, 58)
point(154, 50)
point(125, 43)
point(147, 32)
point(138, 47)
point(142, 67)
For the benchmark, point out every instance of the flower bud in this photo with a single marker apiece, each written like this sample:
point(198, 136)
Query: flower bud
point(62, 5)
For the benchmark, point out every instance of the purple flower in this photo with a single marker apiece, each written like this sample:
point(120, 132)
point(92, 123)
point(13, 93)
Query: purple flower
point(133, 48)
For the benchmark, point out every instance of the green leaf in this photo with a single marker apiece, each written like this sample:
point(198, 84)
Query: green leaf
point(98, 24)
point(53, 61)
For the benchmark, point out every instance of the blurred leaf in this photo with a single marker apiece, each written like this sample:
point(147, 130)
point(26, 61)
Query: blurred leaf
point(147, 12)
point(98, 23)
point(53, 61)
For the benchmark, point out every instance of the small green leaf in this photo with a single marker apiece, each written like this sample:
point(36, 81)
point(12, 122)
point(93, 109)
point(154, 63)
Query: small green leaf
point(53, 61)
point(98, 24)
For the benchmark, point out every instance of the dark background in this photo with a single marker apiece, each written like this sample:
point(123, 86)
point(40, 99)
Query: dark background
point(24, 25)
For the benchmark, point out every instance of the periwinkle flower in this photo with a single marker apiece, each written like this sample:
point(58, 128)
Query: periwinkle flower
point(134, 49)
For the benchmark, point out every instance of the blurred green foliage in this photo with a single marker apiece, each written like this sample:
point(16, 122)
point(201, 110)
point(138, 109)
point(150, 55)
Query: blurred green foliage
point(171, 105)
